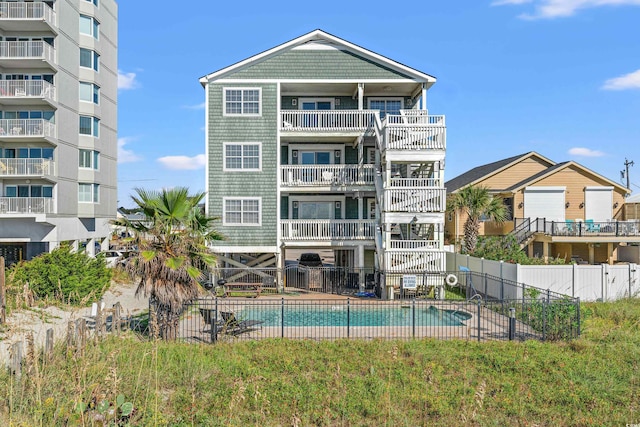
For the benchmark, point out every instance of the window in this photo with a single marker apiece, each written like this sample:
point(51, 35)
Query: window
point(89, 126)
point(386, 106)
point(243, 156)
point(89, 159)
point(88, 193)
point(95, 2)
point(242, 211)
point(89, 92)
point(242, 102)
point(89, 59)
point(45, 191)
point(89, 26)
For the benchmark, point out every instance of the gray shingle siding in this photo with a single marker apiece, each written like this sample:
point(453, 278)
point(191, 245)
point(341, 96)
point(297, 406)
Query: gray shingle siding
point(316, 64)
point(244, 184)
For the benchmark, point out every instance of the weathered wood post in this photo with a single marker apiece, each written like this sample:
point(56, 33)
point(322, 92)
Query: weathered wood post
point(48, 345)
point(81, 335)
point(3, 295)
point(116, 319)
point(15, 361)
point(70, 334)
point(99, 320)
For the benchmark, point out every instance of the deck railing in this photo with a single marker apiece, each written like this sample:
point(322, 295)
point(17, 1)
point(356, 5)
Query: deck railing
point(414, 244)
point(27, 50)
point(326, 121)
point(418, 261)
point(415, 182)
point(415, 117)
point(26, 128)
point(415, 200)
point(586, 228)
point(326, 175)
point(25, 205)
point(26, 167)
point(31, 11)
point(414, 137)
point(27, 88)
point(327, 229)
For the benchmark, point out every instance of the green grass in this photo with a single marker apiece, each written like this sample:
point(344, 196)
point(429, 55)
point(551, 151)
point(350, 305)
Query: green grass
point(591, 381)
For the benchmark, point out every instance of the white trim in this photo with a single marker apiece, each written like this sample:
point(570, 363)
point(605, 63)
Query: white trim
point(307, 81)
point(317, 198)
point(235, 224)
point(331, 148)
point(224, 157)
point(224, 101)
point(541, 188)
point(385, 98)
point(319, 34)
point(243, 249)
point(206, 148)
point(598, 188)
point(316, 100)
point(371, 203)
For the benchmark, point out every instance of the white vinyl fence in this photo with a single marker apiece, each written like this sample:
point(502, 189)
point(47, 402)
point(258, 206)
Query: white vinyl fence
point(588, 282)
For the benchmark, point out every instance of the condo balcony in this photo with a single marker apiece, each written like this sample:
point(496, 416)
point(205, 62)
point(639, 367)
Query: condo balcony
point(415, 261)
point(415, 199)
point(27, 92)
point(327, 229)
point(26, 205)
point(26, 129)
point(26, 167)
point(26, 54)
point(334, 122)
point(27, 16)
point(305, 176)
point(413, 245)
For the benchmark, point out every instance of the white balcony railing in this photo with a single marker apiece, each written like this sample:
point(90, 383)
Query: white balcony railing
point(21, 128)
point(415, 117)
point(26, 167)
point(326, 175)
point(415, 182)
point(31, 11)
point(27, 50)
point(413, 261)
point(414, 137)
point(327, 229)
point(414, 245)
point(415, 200)
point(327, 121)
point(27, 88)
point(26, 205)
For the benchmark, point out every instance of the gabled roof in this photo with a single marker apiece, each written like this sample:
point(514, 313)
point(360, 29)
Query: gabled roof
point(319, 35)
point(485, 171)
point(633, 199)
point(558, 167)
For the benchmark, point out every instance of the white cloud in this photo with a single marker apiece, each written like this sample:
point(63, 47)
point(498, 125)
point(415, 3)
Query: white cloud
point(183, 162)
point(127, 80)
point(562, 8)
point(628, 81)
point(124, 155)
point(585, 152)
point(195, 107)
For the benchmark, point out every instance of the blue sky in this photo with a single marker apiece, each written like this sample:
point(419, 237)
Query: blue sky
point(560, 77)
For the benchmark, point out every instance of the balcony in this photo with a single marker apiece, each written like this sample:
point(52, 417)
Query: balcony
point(350, 122)
point(26, 205)
point(31, 16)
point(412, 132)
point(413, 245)
point(26, 54)
point(305, 176)
point(415, 200)
point(327, 229)
point(26, 167)
point(26, 129)
point(415, 182)
point(415, 261)
point(26, 92)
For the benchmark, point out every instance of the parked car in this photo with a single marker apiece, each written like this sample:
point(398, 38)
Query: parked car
point(310, 259)
point(114, 258)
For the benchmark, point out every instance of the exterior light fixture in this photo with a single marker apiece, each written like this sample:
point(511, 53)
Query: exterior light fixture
point(566, 205)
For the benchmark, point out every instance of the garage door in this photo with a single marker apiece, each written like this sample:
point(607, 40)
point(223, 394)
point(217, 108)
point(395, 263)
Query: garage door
point(544, 202)
point(598, 203)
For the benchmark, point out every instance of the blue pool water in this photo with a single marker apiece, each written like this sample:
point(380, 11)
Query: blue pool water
point(356, 316)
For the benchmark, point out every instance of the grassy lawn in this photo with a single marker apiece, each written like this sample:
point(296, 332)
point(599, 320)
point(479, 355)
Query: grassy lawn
point(591, 381)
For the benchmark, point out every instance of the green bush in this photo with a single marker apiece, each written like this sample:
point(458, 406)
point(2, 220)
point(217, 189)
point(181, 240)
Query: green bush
point(507, 249)
point(63, 275)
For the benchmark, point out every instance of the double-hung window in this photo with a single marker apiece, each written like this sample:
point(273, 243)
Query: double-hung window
point(386, 105)
point(89, 26)
point(244, 211)
point(89, 159)
point(242, 101)
point(242, 156)
point(89, 59)
point(88, 193)
point(89, 126)
point(90, 92)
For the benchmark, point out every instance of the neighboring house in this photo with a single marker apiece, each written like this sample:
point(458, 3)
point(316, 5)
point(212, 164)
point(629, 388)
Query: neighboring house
point(58, 125)
point(558, 209)
point(632, 207)
point(321, 144)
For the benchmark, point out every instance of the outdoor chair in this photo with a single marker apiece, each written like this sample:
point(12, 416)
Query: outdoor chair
point(591, 226)
point(231, 325)
point(570, 226)
point(210, 318)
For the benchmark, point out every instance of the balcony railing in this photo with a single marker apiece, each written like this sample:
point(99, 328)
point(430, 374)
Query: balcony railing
point(20, 128)
point(413, 117)
point(26, 205)
point(27, 88)
point(327, 121)
point(415, 261)
point(414, 137)
point(26, 167)
point(414, 200)
point(27, 50)
point(585, 228)
point(327, 175)
point(32, 11)
point(415, 182)
point(414, 245)
point(327, 229)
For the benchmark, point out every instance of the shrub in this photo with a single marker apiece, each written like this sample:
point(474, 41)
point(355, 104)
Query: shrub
point(507, 249)
point(63, 275)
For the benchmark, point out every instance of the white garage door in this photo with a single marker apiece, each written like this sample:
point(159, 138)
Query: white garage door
point(598, 203)
point(544, 202)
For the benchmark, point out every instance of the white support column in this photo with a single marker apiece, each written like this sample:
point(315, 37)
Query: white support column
point(360, 96)
point(91, 248)
point(360, 206)
point(360, 264)
point(424, 96)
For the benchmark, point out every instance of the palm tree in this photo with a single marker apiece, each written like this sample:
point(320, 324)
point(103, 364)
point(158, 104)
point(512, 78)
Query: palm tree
point(477, 202)
point(173, 252)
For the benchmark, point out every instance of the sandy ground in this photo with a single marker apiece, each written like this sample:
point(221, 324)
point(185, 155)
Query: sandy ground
point(40, 320)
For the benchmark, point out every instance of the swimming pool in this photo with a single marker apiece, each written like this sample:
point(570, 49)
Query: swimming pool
point(356, 316)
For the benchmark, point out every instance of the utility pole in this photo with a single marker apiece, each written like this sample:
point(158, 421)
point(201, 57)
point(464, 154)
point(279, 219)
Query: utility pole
point(625, 173)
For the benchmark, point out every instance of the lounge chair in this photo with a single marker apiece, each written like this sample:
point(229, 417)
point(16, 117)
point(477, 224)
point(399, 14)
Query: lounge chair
point(570, 226)
point(591, 226)
point(231, 325)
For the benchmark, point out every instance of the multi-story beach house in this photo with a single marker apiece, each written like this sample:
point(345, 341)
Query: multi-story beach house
point(320, 144)
point(58, 119)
